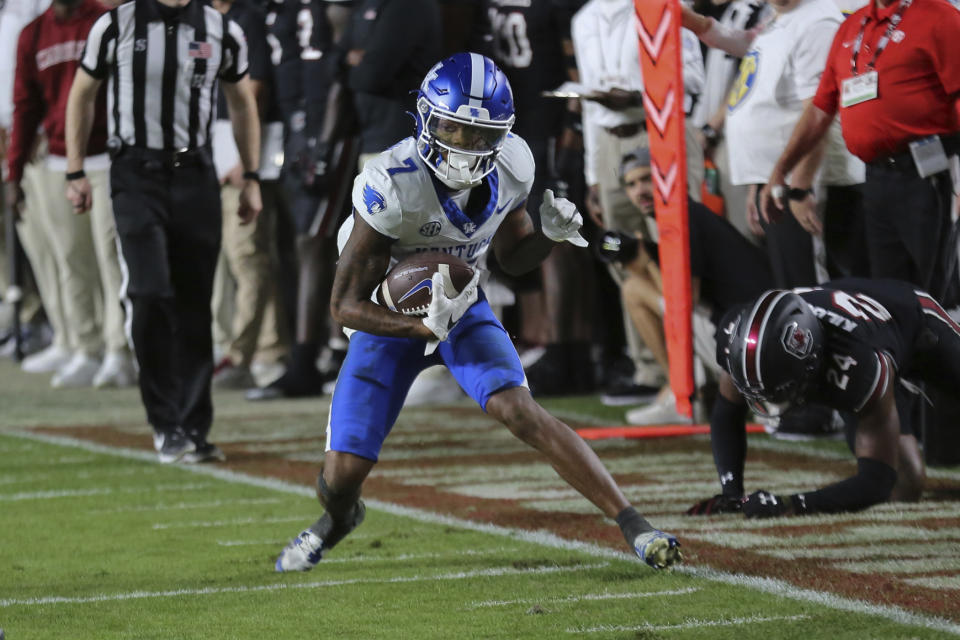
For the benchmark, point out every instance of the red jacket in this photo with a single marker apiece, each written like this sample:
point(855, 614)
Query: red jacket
point(48, 55)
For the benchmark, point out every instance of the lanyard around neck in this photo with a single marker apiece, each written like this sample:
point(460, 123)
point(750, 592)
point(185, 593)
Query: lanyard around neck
point(882, 43)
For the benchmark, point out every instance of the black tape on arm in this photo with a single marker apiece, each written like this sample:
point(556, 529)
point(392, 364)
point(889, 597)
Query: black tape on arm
point(872, 485)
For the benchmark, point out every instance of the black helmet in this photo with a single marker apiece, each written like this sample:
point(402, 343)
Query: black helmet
point(773, 349)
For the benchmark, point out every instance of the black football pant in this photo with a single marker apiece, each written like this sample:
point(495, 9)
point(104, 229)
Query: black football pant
point(168, 222)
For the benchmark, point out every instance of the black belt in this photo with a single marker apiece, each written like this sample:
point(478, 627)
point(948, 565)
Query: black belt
point(903, 162)
point(168, 159)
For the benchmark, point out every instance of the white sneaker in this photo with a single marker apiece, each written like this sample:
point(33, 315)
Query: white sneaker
point(78, 372)
point(434, 385)
point(658, 413)
point(117, 370)
point(47, 361)
point(233, 377)
point(266, 372)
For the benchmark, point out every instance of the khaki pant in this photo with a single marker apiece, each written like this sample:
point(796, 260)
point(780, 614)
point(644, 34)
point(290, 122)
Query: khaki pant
point(246, 259)
point(85, 253)
point(620, 214)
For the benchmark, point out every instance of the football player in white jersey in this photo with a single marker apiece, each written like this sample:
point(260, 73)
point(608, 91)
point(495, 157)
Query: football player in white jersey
point(458, 185)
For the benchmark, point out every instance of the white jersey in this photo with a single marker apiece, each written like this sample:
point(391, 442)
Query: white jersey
point(780, 72)
point(398, 195)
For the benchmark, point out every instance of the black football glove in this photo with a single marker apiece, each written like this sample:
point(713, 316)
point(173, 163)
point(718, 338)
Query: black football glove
point(763, 504)
point(717, 504)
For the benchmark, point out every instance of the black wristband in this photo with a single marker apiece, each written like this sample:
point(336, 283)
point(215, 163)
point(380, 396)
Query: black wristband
point(798, 194)
point(251, 175)
point(76, 175)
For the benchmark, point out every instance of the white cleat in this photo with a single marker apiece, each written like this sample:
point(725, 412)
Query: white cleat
point(302, 554)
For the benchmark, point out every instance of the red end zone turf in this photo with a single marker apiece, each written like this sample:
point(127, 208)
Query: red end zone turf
point(653, 431)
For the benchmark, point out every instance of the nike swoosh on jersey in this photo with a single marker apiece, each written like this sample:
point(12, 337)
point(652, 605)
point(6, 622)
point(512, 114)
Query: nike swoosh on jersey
point(500, 209)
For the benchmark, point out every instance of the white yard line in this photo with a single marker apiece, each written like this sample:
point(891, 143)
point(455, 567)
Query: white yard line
point(99, 491)
point(766, 585)
point(692, 623)
point(183, 506)
point(772, 444)
point(207, 524)
point(140, 595)
point(584, 596)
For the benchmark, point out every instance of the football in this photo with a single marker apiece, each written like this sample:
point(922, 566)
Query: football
point(408, 286)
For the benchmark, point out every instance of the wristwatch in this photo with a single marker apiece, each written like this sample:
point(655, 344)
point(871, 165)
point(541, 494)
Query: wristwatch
point(711, 134)
point(798, 194)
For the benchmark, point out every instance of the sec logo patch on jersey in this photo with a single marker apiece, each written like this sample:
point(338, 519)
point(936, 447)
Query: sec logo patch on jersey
point(430, 229)
point(746, 77)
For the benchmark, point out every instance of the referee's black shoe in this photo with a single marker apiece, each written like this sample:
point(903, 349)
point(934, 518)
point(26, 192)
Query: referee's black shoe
point(173, 445)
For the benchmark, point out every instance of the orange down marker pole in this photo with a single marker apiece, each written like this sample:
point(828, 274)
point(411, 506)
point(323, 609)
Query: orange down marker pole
point(662, 65)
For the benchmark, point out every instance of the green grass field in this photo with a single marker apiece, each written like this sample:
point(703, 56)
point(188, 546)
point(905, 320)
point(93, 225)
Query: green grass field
point(100, 543)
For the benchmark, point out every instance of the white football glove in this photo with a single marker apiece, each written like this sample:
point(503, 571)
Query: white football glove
point(560, 220)
point(443, 312)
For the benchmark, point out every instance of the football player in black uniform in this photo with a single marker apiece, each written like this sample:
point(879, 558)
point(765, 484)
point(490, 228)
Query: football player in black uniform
point(848, 344)
point(533, 47)
point(301, 34)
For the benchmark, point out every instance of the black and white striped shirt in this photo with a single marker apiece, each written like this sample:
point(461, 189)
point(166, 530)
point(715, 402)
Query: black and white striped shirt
point(163, 65)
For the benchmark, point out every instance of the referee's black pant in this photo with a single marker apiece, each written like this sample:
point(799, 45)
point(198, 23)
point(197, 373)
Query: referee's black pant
point(908, 225)
point(168, 221)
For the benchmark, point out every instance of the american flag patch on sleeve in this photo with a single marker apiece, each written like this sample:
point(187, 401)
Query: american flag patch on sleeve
point(200, 50)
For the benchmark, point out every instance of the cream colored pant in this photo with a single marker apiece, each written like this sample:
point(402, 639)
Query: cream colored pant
point(85, 253)
point(246, 303)
point(620, 214)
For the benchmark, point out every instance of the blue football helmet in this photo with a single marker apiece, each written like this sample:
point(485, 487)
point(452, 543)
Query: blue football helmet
point(464, 113)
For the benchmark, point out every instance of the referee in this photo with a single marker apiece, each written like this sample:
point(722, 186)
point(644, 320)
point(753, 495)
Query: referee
point(162, 60)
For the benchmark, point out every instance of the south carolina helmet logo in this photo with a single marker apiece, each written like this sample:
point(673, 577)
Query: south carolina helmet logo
point(743, 83)
point(796, 341)
point(373, 200)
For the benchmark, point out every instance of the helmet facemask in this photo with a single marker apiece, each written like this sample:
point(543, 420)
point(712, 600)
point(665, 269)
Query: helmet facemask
point(460, 147)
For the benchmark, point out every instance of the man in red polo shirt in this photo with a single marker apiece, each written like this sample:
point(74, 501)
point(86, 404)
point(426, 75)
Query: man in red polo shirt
point(893, 74)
